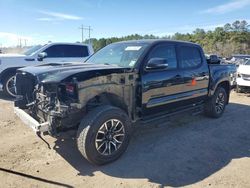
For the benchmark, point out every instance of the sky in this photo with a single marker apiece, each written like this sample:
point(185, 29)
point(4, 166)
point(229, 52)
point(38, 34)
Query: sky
point(38, 22)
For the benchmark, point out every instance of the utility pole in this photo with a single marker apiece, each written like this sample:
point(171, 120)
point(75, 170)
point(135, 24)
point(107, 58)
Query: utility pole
point(82, 28)
point(89, 29)
point(20, 42)
point(25, 42)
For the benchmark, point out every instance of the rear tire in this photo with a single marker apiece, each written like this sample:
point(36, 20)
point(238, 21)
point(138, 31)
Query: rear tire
point(215, 106)
point(9, 85)
point(98, 140)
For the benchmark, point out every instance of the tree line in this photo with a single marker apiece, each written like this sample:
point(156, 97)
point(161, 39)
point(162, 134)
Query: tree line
point(231, 39)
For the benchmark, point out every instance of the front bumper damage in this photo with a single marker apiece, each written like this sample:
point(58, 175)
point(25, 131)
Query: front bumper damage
point(31, 122)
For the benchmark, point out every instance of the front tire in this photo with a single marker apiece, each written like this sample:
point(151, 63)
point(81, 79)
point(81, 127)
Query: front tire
point(9, 85)
point(104, 134)
point(215, 106)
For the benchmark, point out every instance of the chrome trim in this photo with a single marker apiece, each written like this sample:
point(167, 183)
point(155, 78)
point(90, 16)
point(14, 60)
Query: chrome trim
point(1, 87)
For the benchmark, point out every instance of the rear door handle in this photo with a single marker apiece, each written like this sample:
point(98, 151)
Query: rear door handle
point(204, 74)
point(178, 76)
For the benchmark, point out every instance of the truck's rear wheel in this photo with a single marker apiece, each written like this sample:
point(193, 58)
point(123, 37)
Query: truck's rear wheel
point(9, 85)
point(215, 107)
point(103, 134)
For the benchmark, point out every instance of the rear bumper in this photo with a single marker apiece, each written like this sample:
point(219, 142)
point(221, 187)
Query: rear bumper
point(30, 121)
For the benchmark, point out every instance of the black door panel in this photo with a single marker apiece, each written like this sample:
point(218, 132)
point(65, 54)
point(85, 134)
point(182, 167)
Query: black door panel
point(159, 84)
point(194, 71)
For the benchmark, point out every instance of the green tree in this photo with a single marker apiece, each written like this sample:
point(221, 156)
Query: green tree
point(232, 38)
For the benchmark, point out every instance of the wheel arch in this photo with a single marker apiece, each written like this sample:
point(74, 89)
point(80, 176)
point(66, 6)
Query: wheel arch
point(107, 98)
point(7, 71)
point(226, 86)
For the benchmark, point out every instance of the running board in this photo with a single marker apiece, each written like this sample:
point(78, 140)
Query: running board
point(194, 111)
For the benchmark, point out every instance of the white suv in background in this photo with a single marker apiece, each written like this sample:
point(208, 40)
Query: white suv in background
point(37, 55)
point(243, 76)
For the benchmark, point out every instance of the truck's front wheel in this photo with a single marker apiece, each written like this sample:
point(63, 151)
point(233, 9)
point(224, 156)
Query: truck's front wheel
point(103, 134)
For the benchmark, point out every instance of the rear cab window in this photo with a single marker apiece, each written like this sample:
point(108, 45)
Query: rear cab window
point(189, 57)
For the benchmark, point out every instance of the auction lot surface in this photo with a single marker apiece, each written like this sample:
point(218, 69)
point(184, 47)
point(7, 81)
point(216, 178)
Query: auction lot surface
point(193, 151)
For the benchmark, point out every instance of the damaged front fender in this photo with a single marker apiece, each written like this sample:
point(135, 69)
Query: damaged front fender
point(121, 85)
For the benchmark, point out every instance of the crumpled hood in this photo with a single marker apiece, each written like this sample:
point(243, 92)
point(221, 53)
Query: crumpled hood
point(244, 69)
point(58, 72)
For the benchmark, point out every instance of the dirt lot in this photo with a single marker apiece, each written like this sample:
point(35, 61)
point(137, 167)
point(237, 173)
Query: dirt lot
point(193, 151)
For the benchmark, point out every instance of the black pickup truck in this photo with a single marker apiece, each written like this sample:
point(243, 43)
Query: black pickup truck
point(122, 84)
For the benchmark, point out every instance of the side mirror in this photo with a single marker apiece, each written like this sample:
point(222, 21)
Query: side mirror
point(157, 63)
point(213, 59)
point(41, 56)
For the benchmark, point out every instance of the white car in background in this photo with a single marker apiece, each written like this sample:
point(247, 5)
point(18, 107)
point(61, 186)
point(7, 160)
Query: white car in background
point(37, 55)
point(243, 76)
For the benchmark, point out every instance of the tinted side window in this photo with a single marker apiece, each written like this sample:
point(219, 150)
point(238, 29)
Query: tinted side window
point(167, 52)
point(75, 51)
point(61, 51)
point(189, 57)
point(54, 51)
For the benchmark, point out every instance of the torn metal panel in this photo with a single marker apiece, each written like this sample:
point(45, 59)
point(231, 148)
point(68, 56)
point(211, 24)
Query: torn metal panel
point(121, 85)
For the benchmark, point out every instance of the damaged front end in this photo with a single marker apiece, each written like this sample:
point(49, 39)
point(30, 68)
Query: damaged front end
point(45, 106)
point(54, 99)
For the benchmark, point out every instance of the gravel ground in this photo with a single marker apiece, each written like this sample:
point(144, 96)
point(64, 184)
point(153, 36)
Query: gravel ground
point(191, 151)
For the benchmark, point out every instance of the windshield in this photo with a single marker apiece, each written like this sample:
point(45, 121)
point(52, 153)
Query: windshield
point(121, 54)
point(248, 62)
point(32, 50)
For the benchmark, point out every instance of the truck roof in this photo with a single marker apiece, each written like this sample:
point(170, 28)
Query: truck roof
point(69, 43)
point(151, 41)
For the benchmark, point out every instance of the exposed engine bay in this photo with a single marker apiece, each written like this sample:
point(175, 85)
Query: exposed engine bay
point(47, 102)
